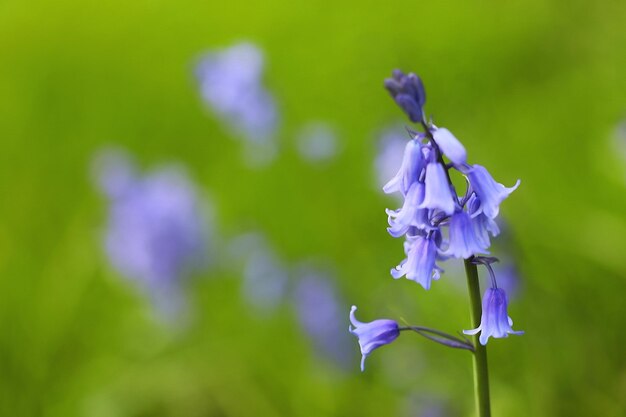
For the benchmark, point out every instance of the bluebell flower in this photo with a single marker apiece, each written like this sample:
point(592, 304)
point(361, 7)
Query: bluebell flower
point(410, 214)
point(483, 225)
point(495, 321)
point(464, 241)
point(156, 232)
point(450, 146)
point(419, 265)
point(409, 172)
point(373, 335)
point(490, 193)
point(389, 154)
point(408, 92)
point(438, 194)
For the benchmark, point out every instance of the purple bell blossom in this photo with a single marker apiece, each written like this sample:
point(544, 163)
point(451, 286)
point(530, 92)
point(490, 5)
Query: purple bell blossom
point(438, 194)
point(412, 165)
point(490, 193)
point(483, 225)
point(419, 265)
point(495, 321)
point(450, 146)
point(373, 335)
point(410, 214)
point(389, 154)
point(464, 241)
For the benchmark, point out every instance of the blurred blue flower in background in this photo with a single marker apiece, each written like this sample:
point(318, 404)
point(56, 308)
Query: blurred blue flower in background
point(317, 142)
point(320, 312)
point(231, 85)
point(157, 232)
point(265, 276)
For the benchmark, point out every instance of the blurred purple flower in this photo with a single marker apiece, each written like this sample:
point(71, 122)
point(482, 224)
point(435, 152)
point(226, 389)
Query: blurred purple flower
point(495, 321)
point(317, 142)
point(264, 280)
point(320, 313)
point(156, 233)
point(265, 277)
point(231, 84)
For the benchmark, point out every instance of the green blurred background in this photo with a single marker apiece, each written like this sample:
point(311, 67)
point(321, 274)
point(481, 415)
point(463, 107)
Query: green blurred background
point(534, 89)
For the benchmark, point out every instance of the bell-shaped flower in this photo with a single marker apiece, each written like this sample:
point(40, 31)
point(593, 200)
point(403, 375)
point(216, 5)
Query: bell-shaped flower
point(419, 265)
point(495, 321)
point(373, 335)
point(464, 241)
point(483, 225)
point(490, 192)
point(410, 169)
point(450, 146)
point(409, 215)
point(438, 194)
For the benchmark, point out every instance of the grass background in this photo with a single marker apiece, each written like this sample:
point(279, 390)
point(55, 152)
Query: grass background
point(534, 89)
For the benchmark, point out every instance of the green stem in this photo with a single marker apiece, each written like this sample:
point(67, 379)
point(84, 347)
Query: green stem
point(481, 373)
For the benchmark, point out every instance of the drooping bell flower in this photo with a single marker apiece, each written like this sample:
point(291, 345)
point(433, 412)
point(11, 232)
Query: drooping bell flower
point(438, 194)
point(450, 146)
point(490, 192)
point(373, 335)
point(409, 172)
point(495, 321)
point(419, 265)
point(464, 241)
point(410, 214)
point(483, 225)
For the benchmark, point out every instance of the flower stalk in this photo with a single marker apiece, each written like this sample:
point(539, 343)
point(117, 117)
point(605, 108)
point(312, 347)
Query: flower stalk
point(479, 359)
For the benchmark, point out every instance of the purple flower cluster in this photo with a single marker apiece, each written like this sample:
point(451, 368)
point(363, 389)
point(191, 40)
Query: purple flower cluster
point(436, 222)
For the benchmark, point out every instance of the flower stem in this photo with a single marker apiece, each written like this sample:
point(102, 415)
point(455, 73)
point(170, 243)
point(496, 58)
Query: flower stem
point(481, 373)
